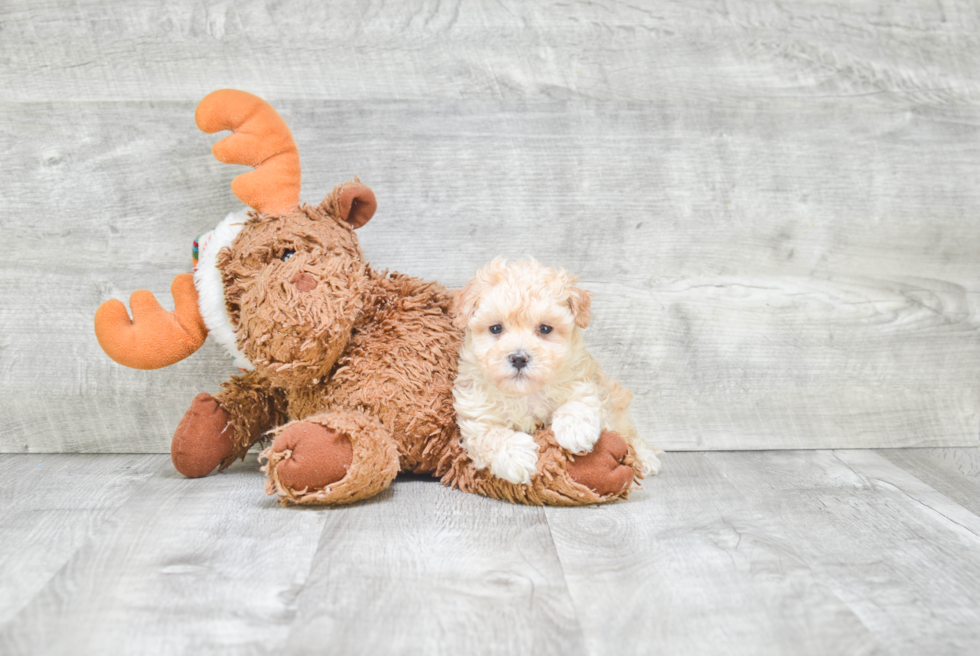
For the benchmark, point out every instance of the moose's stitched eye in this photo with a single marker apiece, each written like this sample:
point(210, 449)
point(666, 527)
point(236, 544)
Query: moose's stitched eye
point(496, 329)
point(544, 329)
point(286, 254)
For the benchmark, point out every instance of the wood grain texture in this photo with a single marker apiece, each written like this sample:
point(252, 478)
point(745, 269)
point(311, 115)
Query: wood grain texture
point(511, 49)
point(897, 552)
point(691, 564)
point(774, 205)
point(786, 553)
point(456, 574)
point(205, 566)
point(953, 472)
point(49, 507)
point(789, 552)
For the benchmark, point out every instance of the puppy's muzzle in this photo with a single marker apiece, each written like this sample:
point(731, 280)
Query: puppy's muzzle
point(519, 360)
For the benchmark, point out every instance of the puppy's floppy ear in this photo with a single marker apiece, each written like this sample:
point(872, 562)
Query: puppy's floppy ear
point(465, 301)
point(580, 301)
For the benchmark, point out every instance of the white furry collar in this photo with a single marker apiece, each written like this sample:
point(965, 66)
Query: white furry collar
point(211, 289)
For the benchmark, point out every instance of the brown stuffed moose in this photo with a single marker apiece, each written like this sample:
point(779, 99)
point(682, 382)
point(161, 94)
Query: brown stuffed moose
point(347, 370)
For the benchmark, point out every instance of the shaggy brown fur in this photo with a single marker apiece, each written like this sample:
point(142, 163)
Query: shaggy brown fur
point(366, 353)
point(253, 405)
point(373, 466)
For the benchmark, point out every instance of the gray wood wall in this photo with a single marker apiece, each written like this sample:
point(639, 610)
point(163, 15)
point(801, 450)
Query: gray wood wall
point(776, 205)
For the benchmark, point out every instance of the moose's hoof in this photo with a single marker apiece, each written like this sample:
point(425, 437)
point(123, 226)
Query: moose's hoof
point(202, 439)
point(602, 469)
point(319, 456)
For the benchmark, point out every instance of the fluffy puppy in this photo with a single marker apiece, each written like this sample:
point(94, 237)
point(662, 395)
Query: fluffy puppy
point(523, 365)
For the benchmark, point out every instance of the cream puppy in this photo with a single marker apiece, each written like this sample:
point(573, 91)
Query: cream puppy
point(523, 365)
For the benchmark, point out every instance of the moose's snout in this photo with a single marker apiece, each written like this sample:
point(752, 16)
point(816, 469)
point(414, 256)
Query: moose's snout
point(304, 282)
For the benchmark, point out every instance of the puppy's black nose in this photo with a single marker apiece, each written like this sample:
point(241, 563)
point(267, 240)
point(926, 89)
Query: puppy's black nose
point(519, 360)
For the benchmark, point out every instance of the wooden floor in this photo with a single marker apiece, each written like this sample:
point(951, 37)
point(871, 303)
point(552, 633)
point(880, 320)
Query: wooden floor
point(791, 552)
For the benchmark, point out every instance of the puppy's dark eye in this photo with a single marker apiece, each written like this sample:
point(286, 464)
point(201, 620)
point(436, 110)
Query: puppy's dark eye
point(496, 329)
point(544, 329)
point(286, 255)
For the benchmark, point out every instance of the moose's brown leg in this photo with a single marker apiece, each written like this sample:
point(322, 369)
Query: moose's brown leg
point(202, 439)
point(216, 431)
point(318, 456)
point(332, 458)
point(603, 470)
point(562, 479)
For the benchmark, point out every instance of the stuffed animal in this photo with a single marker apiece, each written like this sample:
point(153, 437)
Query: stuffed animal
point(347, 370)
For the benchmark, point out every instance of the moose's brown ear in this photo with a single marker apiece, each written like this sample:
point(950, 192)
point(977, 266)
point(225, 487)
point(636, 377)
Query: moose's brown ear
point(357, 204)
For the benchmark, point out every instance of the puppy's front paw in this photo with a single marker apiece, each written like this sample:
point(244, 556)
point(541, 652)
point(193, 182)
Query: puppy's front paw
point(516, 460)
point(576, 427)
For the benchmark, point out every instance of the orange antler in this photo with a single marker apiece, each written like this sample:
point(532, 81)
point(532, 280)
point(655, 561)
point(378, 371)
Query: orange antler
point(154, 338)
point(261, 139)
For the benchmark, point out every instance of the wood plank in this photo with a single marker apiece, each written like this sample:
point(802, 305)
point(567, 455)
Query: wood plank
point(50, 506)
point(903, 557)
point(55, 49)
point(792, 552)
point(693, 564)
point(881, 471)
point(953, 472)
point(723, 348)
point(775, 205)
point(428, 570)
point(205, 566)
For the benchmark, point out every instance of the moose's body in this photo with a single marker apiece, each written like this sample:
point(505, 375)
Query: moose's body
point(332, 341)
point(400, 367)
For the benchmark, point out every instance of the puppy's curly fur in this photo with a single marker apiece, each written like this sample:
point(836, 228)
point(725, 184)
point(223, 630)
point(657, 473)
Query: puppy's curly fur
point(523, 365)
